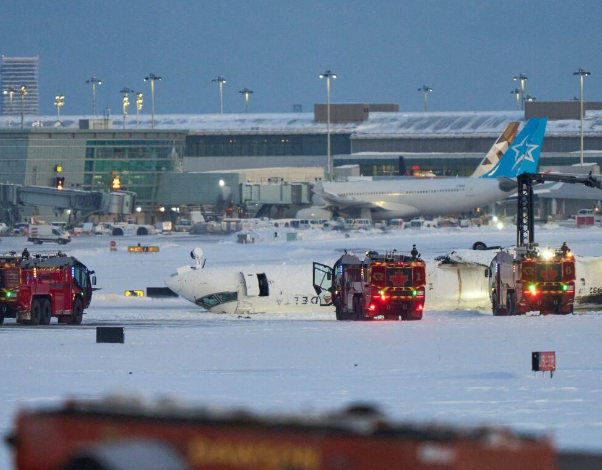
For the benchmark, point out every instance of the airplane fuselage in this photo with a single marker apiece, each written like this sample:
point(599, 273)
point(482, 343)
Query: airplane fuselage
point(460, 285)
point(415, 197)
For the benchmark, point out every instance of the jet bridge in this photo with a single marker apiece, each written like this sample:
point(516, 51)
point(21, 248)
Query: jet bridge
point(117, 202)
point(276, 194)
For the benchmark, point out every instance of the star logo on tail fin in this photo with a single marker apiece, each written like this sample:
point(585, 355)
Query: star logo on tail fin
point(524, 152)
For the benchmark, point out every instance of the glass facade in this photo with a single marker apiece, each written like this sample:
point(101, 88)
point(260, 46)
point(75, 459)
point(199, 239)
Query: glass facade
point(15, 72)
point(265, 145)
point(415, 165)
point(137, 164)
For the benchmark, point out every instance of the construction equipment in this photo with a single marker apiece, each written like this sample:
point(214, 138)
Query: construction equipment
point(35, 289)
point(390, 286)
point(206, 439)
point(528, 278)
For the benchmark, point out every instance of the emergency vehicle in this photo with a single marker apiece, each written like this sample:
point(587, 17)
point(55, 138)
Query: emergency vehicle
point(389, 285)
point(528, 278)
point(119, 434)
point(532, 280)
point(35, 289)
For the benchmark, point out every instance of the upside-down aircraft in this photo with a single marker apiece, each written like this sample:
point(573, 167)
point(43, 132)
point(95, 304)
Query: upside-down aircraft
point(405, 198)
point(454, 282)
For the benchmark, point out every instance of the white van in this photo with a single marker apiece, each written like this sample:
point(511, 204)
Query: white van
point(421, 223)
point(39, 234)
point(316, 224)
point(396, 224)
point(362, 224)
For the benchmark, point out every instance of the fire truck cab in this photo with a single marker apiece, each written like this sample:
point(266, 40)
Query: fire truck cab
point(532, 280)
point(33, 290)
point(390, 286)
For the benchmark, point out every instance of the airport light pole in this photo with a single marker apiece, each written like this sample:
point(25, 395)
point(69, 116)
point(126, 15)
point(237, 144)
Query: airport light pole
point(426, 89)
point(126, 102)
point(522, 78)
point(94, 81)
point(582, 73)
point(139, 101)
point(11, 93)
point(246, 92)
point(328, 75)
point(152, 78)
point(23, 91)
point(516, 92)
point(59, 102)
point(530, 98)
point(220, 80)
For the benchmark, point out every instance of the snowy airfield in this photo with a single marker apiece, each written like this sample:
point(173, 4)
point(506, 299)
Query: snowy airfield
point(457, 367)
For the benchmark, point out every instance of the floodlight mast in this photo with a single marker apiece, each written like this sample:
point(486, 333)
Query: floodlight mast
point(94, 81)
point(581, 73)
point(152, 78)
point(328, 75)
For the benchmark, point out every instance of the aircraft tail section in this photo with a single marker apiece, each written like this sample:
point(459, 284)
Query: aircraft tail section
point(497, 151)
point(523, 154)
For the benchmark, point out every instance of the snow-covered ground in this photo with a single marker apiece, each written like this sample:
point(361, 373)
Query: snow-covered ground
point(460, 367)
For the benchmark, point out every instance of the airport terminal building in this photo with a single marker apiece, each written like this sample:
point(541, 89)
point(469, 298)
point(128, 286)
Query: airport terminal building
point(169, 164)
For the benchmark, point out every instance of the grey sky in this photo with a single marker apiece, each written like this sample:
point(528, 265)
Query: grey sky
point(383, 50)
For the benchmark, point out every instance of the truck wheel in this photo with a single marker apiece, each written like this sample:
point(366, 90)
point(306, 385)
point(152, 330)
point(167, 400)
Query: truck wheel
point(510, 304)
point(46, 312)
point(62, 242)
point(495, 305)
point(357, 309)
point(78, 312)
point(36, 312)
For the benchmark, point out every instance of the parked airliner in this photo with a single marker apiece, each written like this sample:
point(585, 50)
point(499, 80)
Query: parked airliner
point(413, 197)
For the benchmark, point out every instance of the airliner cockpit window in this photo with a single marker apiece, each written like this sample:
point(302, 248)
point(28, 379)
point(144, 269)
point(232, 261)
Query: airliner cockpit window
point(210, 301)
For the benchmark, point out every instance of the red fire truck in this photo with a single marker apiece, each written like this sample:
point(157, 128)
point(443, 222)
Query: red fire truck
point(35, 289)
point(529, 278)
point(117, 435)
point(390, 285)
point(532, 281)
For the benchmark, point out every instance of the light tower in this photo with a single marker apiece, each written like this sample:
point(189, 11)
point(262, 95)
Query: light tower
point(139, 101)
point(246, 92)
point(328, 75)
point(522, 78)
point(23, 91)
point(426, 89)
point(94, 81)
point(11, 93)
point(220, 80)
point(582, 73)
point(516, 92)
point(126, 102)
point(152, 78)
point(59, 102)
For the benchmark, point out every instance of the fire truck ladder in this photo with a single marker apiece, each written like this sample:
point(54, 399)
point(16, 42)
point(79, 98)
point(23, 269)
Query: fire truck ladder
point(525, 233)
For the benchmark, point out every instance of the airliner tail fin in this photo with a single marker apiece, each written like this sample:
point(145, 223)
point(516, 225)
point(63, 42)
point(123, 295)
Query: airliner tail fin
point(497, 150)
point(523, 155)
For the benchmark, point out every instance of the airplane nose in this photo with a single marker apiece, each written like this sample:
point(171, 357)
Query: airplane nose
point(175, 284)
point(507, 185)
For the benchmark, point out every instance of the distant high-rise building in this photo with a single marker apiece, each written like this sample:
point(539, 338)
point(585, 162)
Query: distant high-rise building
point(16, 72)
